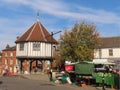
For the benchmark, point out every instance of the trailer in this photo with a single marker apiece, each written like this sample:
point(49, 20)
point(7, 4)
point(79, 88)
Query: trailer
point(84, 68)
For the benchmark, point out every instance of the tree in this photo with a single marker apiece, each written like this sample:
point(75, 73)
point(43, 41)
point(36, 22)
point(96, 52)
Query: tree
point(79, 43)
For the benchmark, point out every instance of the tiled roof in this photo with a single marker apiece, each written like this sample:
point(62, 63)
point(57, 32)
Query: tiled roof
point(10, 48)
point(110, 42)
point(38, 33)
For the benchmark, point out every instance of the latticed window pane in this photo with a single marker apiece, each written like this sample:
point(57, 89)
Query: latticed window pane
point(21, 46)
point(110, 52)
point(36, 46)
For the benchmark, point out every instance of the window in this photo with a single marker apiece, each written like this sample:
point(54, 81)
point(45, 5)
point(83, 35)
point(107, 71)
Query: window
point(11, 54)
point(11, 61)
point(10, 69)
point(16, 61)
point(6, 62)
point(100, 53)
point(21, 46)
point(110, 52)
point(36, 46)
point(6, 54)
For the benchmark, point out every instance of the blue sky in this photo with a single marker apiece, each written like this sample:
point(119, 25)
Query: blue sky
point(16, 16)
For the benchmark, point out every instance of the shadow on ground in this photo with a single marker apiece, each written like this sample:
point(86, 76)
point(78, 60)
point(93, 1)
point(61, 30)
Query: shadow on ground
point(1, 82)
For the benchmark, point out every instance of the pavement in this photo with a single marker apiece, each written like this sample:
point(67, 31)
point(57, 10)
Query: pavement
point(44, 77)
point(40, 76)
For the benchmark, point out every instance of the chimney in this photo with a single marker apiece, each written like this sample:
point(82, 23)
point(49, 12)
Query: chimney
point(7, 46)
point(17, 37)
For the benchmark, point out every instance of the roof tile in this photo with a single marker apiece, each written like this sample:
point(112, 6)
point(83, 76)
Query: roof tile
point(37, 32)
point(110, 42)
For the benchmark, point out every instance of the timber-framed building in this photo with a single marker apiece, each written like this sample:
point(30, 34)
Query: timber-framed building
point(35, 45)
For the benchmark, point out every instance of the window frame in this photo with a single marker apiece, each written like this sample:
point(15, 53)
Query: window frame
point(21, 47)
point(6, 54)
point(6, 62)
point(36, 46)
point(110, 52)
point(11, 54)
point(11, 61)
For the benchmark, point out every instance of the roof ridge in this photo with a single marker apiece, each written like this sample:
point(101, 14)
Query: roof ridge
point(111, 37)
point(36, 32)
point(42, 32)
point(31, 32)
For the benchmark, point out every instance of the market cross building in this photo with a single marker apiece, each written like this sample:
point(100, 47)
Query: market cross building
point(35, 45)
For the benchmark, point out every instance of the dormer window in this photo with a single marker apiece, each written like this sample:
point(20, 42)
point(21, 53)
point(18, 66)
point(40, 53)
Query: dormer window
point(36, 46)
point(21, 46)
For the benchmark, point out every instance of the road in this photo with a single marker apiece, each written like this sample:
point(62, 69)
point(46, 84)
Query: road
point(14, 83)
point(20, 83)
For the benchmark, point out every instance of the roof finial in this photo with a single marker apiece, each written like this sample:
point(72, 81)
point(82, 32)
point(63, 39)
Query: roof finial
point(38, 15)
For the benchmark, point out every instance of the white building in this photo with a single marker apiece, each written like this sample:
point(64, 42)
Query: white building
point(109, 50)
point(36, 44)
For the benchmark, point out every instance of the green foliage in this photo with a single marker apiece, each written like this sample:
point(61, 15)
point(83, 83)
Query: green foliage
point(79, 43)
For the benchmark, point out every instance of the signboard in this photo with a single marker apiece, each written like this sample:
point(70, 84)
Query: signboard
point(84, 69)
point(69, 67)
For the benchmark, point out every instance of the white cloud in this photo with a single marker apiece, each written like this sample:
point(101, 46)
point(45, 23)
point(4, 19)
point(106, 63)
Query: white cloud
point(101, 15)
point(61, 9)
point(10, 28)
point(55, 8)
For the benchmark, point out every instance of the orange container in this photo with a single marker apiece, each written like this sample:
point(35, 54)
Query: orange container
point(83, 85)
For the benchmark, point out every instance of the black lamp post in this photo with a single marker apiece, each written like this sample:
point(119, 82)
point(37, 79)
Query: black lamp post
point(52, 52)
point(52, 43)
